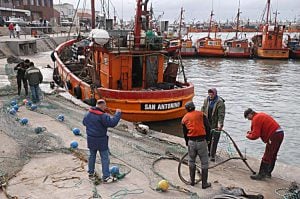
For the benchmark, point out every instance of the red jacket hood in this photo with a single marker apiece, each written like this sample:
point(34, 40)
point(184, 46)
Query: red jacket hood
point(96, 111)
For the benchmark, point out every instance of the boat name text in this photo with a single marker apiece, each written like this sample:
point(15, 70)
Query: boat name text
point(161, 106)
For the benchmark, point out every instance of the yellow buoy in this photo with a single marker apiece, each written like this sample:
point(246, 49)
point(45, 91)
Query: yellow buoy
point(163, 185)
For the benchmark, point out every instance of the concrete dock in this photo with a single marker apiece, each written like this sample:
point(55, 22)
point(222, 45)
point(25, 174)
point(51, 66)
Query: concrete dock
point(43, 166)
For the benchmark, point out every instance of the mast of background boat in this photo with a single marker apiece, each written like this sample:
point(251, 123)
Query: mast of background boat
point(268, 10)
point(179, 35)
point(276, 13)
point(237, 21)
point(210, 20)
point(93, 13)
point(138, 24)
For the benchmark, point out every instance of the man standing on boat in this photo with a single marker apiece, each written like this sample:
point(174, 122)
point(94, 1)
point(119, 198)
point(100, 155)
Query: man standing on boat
point(97, 122)
point(34, 77)
point(196, 131)
point(214, 108)
point(265, 127)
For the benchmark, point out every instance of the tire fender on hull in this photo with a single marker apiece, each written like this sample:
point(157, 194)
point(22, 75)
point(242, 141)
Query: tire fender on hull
point(77, 92)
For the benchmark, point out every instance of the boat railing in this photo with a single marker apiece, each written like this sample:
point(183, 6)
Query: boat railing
point(146, 43)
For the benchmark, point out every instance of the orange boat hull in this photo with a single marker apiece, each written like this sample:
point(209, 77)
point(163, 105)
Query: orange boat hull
point(273, 53)
point(136, 105)
point(210, 52)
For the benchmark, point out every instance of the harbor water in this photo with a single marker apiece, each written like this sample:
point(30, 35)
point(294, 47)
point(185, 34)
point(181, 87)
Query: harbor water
point(270, 86)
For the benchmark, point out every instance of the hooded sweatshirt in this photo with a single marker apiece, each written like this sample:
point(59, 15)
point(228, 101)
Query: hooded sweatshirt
point(97, 122)
point(214, 109)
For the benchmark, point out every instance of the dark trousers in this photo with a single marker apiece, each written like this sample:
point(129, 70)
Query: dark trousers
point(272, 148)
point(35, 90)
point(213, 144)
point(25, 84)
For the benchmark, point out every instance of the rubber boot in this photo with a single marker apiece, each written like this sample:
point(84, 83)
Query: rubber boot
point(192, 175)
point(262, 172)
point(270, 169)
point(205, 184)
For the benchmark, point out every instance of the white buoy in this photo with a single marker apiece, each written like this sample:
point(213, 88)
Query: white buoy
point(100, 36)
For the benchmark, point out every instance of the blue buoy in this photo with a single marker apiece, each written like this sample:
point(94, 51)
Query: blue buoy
point(28, 103)
point(74, 144)
point(12, 111)
point(114, 170)
point(76, 131)
point(16, 107)
point(24, 121)
point(13, 102)
point(33, 107)
point(61, 118)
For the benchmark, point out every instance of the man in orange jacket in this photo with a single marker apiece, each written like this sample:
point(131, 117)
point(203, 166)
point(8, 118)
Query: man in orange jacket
point(196, 131)
point(265, 127)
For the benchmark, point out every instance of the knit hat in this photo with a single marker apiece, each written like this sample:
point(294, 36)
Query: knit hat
point(247, 112)
point(190, 106)
point(101, 101)
point(212, 90)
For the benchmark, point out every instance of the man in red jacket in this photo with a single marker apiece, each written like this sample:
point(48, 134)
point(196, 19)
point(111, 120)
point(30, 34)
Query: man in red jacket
point(265, 127)
point(11, 30)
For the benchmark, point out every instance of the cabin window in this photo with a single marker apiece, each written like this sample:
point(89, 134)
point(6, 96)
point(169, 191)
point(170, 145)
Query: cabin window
point(137, 72)
point(238, 45)
point(151, 71)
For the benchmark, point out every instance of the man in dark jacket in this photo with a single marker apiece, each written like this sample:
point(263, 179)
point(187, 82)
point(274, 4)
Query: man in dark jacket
point(196, 131)
point(214, 108)
point(97, 122)
point(265, 127)
point(21, 69)
point(34, 77)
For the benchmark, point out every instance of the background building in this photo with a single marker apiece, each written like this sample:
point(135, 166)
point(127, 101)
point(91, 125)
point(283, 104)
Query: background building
point(29, 10)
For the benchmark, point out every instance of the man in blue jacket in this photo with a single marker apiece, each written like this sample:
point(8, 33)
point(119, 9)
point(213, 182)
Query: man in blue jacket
point(97, 122)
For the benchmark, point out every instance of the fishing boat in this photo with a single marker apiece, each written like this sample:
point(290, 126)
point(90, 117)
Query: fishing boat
point(294, 46)
point(184, 46)
point(187, 49)
point(210, 47)
point(237, 47)
point(268, 44)
point(130, 73)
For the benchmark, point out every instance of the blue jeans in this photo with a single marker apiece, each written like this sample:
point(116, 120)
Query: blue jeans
point(35, 89)
point(104, 162)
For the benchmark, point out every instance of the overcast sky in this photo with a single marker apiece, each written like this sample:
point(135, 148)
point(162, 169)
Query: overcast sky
point(199, 10)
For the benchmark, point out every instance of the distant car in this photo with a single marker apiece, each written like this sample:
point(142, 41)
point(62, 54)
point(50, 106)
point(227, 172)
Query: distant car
point(35, 23)
point(65, 23)
point(15, 21)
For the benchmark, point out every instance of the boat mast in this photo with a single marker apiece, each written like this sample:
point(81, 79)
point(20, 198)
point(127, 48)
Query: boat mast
point(276, 14)
point(180, 22)
point(210, 21)
point(93, 13)
point(268, 10)
point(237, 21)
point(138, 24)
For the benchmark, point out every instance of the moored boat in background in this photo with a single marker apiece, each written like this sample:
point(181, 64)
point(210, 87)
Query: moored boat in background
point(268, 44)
point(237, 47)
point(294, 46)
point(210, 47)
point(132, 76)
